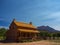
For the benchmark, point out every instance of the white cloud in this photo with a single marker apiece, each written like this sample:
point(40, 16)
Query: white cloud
point(52, 19)
point(4, 27)
point(55, 16)
point(57, 27)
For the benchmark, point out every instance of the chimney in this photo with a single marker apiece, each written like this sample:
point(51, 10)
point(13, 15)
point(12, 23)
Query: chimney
point(30, 23)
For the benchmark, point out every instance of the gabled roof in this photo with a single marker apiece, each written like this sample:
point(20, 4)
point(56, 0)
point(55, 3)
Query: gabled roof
point(24, 24)
point(27, 27)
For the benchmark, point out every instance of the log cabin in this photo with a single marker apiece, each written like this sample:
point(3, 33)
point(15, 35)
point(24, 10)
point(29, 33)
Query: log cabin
point(20, 31)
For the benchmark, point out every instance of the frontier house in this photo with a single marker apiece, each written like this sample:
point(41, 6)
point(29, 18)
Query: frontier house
point(20, 31)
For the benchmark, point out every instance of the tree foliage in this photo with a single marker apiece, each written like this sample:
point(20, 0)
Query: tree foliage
point(48, 34)
point(2, 31)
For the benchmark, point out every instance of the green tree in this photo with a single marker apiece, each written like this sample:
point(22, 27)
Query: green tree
point(44, 34)
point(2, 33)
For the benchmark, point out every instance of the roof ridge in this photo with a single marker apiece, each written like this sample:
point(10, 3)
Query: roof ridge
point(21, 22)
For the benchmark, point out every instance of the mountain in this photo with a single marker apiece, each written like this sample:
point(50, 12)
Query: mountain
point(47, 28)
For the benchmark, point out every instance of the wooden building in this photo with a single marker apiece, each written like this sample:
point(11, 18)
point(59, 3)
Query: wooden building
point(20, 31)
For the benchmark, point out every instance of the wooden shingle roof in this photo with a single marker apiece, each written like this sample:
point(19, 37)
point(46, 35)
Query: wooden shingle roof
point(28, 27)
point(24, 24)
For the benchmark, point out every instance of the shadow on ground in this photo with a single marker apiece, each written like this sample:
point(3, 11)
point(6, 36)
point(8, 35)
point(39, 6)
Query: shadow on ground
point(8, 41)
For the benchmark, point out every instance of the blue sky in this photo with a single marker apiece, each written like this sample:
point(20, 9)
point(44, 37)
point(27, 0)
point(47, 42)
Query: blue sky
point(39, 12)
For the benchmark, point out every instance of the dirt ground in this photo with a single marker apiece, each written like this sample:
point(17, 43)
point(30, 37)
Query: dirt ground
point(32, 43)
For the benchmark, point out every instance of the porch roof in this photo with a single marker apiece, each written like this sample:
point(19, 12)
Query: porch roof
point(27, 30)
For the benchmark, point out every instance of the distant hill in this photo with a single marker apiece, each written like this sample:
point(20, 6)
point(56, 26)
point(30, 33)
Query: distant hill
point(47, 28)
